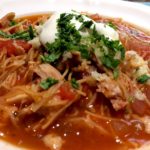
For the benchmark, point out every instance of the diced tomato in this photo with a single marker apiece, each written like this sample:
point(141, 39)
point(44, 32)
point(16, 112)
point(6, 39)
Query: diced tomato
point(15, 47)
point(67, 92)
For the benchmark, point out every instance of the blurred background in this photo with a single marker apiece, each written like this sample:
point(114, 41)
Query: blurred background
point(146, 2)
point(139, 0)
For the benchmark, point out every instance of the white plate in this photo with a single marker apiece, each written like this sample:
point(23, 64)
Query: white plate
point(132, 12)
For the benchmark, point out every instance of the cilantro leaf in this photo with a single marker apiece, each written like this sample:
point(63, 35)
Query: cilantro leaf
point(116, 73)
point(54, 51)
point(143, 78)
point(24, 35)
point(46, 84)
point(12, 23)
point(31, 32)
point(84, 51)
point(80, 18)
point(112, 25)
point(74, 83)
point(110, 62)
point(108, 49)
point(50, 58)
point(86, 24)
point(68, 38)
point(4, 34)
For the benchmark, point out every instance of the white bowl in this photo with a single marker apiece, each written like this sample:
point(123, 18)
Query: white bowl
point(135, 13)
point(132, 12)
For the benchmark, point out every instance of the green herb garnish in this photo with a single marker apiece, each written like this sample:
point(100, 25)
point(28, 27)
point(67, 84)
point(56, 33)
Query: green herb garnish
point(74, 83)
point(116, 73)
point(143, 78)
point(112, 25)
point(110, 62)
point(12, 23)
point(86, 25)
point(80, 18)
point(109, 52)
point(68, 39)
point(4, 34)
point(31, 32)
point(49, 58)
point(46, 84)
point(24, 35)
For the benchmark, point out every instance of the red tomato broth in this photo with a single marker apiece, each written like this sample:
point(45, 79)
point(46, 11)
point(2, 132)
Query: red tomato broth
point(76, 135)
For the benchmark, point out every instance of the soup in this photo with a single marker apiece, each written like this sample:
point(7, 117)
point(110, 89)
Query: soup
point(74, 81)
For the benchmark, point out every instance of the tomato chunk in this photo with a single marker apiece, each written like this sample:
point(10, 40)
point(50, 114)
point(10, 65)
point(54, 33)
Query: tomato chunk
point(67, 92)
point(15, 47)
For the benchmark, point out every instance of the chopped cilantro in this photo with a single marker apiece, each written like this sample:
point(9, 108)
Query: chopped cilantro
point(108, 49)
point(45, 84)
point(116, 73)
point(110, 62)
point(110, 52)
point(68, 39)
point(80, 18)
point(74, 83)
point(31, 32)
point(12, 23)
point(112, 25)
point(143, 78)
point(54, 51)
point(84, 51)
point(25, 35)
point(50, 58)
point(66, 30)
point(86, 25)
point(4, 34)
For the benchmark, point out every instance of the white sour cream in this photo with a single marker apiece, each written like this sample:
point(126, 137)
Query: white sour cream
point(49, 29)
